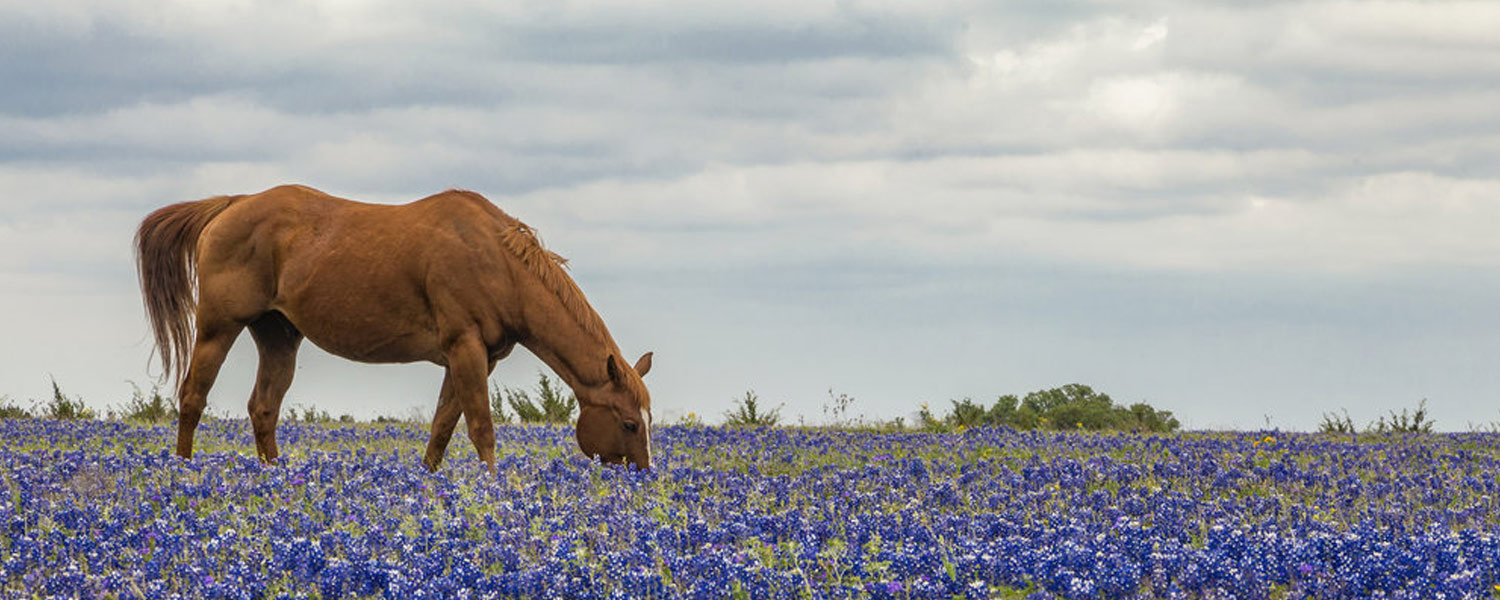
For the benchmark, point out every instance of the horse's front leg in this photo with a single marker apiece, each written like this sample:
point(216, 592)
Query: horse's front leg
point(464, 392)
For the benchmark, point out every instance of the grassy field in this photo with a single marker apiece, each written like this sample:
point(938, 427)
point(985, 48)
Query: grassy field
point(100, 509)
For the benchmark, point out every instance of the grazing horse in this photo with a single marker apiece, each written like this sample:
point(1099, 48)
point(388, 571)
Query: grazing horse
point(449, 279)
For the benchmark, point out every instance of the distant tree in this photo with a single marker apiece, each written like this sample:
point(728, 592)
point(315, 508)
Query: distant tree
point(1047, 401)
point(1073, 406)
point(967, 413)
point(1145, 418)
point(1007, 410)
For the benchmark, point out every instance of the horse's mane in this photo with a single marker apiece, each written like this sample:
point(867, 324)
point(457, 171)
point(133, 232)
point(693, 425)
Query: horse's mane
point(523, 242)
point(548, 267)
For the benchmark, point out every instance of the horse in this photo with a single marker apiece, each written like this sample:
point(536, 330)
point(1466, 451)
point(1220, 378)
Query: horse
point(449, 279)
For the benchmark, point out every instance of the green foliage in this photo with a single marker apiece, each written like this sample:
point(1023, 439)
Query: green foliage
point(550, 405)
point(1073, 406)
point(9, 410)
point(307, 414)
point(414, 416)
point(1407, 421)
point(143, 409)
point(1414, 422)
point(64, 408)
point(497, 405)
point(748, 413)
point(691, 419)
point(1333, 423)
point(1143, 417)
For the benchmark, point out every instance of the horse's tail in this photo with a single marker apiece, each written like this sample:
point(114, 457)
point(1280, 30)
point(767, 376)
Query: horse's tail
point(166, 254)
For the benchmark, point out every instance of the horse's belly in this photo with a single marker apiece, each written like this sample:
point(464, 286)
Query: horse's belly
point(370, 349)
point(367, 332)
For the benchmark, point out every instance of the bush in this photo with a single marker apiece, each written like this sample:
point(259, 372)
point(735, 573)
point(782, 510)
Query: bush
point(549, 406)
point(9, 410)
point(1415, 422)
point(1333, 423)
point(309, 415)
point(497, 404)
point(140, 408)
point(63, 408)
point(747, 413)
point(414, 416)
point(1407, 421)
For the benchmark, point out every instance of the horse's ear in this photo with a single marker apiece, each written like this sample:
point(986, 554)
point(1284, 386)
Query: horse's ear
point(643, 364)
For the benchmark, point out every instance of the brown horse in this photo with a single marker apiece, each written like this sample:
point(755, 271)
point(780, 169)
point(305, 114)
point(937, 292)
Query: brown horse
point(449, 279)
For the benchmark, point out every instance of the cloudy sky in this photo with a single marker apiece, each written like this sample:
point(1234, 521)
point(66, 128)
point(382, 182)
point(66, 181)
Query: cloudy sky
point(1246, 213)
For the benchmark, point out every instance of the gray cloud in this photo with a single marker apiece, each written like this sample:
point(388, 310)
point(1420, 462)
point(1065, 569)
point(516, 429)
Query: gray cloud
point(1266, 161)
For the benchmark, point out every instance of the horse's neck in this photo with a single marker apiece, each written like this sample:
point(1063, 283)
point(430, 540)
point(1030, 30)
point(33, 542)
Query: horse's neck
point(576, 356)
point(576, 346)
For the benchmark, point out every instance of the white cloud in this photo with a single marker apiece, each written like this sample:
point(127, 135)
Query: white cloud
point(1142, 104)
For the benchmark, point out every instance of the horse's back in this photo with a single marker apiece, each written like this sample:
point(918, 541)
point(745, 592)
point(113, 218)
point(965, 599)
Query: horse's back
point(356, 278)
point(298, 218)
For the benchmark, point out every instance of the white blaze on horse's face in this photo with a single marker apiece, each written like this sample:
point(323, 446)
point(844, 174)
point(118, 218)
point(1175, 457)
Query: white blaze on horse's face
point(646, 423)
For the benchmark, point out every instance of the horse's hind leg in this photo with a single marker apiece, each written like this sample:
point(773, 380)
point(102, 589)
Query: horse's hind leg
point(212, 345)
point(443, 422)
point(277, 340)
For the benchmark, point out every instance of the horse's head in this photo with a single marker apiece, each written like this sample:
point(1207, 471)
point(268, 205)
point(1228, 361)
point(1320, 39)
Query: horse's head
point(614, 420)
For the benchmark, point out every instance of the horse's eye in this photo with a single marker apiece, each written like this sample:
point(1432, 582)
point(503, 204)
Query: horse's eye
point(631, 426)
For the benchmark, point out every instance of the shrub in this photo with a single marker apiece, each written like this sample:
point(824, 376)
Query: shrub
point(747, 413)
point(1333, 423)
point(414, 416)
point(1415, 422)
point(143, 409)
point(309, 414)
point(549, 406)
point(9, 410)
point(64, 408)
point(497, 404)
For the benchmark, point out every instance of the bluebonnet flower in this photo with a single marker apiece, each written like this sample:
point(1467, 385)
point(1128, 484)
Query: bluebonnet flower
point(104, 507)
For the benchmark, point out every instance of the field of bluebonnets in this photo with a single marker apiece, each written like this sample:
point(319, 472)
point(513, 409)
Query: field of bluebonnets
point(101, 509)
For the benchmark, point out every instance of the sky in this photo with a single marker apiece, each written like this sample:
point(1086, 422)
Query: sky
point(1251, 214)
